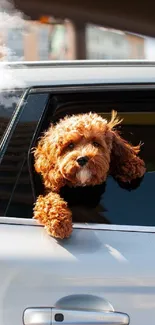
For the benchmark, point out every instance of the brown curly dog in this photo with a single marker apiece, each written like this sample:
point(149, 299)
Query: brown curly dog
point(80, 150)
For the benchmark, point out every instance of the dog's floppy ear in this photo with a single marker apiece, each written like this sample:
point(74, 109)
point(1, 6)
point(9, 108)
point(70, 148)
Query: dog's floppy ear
point(43, 153)
point(45, 160)
point(125, 165)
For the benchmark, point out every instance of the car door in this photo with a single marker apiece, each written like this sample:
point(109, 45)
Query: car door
point(101, 274)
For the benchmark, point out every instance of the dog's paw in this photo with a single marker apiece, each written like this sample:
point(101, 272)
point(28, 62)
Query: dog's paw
point(59, 228)
point(52, 212)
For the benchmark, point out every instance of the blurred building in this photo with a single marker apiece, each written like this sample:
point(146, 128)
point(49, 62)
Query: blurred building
point(109, 44)
point(57, 41)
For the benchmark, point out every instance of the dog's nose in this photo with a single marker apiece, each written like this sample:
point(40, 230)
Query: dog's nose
point(82, 160)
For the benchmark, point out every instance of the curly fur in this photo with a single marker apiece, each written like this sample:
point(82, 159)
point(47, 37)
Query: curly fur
point(56, 158)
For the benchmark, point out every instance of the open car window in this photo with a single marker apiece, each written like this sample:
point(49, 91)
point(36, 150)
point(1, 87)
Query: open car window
point(111, 202)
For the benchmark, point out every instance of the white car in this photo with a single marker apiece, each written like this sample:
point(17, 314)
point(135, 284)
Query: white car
point(105, 272)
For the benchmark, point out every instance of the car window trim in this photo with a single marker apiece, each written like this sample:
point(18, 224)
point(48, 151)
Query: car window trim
point(87, 226)
point(12, 124)
point(93, 87)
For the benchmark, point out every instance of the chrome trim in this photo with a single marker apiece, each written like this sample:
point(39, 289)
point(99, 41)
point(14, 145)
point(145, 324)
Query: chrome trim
point(89, 317)
point(88, 226)
point(53, 316)
point(93, 88)
point(79, 63)
point(37, 316)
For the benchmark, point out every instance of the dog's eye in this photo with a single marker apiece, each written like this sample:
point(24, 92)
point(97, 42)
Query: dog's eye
point(96, 144)
point(71, 145)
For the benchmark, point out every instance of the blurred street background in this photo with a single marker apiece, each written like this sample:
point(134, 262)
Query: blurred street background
point(55, 39)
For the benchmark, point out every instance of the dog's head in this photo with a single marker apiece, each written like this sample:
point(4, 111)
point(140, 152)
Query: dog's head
point(83, 150)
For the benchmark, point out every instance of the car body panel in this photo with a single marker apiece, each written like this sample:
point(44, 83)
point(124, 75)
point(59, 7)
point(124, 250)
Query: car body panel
point(38, 270)
point(37, 74)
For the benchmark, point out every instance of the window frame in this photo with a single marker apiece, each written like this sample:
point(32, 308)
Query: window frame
point(64, 89)
point(12, 123)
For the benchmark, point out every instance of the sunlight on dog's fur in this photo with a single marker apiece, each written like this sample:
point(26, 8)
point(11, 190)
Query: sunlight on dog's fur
point(81, 150)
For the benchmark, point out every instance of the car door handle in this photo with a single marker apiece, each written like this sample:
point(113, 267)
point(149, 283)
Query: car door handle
point(54, 316)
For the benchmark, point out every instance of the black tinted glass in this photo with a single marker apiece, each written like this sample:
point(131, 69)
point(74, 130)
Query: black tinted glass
point(8, 103)
point(16, 194)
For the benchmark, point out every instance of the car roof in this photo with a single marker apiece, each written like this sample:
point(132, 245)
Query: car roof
point(72, 73)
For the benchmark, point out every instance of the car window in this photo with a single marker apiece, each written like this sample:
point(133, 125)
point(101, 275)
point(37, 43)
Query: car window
point(110, 203)
point(16, 196)
point(8, 104)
